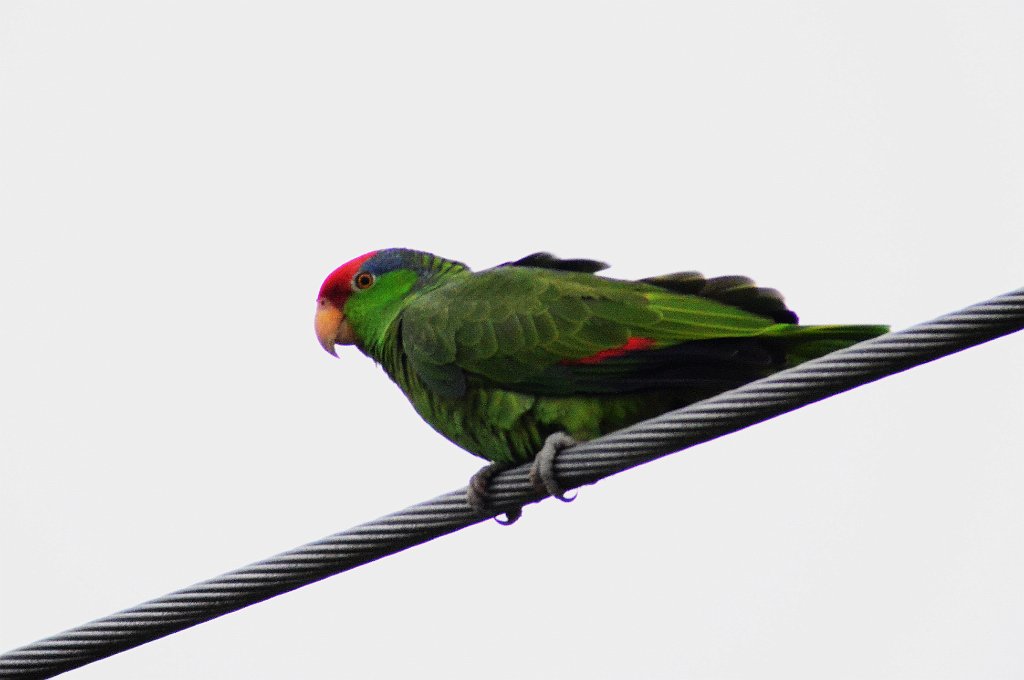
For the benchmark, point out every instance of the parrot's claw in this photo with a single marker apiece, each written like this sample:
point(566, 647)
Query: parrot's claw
point(478, 495)
point(542, 474)
point(542, 477)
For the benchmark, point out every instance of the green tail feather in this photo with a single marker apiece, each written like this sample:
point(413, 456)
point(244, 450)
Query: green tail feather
point(803, 343)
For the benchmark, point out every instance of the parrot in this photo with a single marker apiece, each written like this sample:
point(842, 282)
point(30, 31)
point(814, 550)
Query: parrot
point(516, 362)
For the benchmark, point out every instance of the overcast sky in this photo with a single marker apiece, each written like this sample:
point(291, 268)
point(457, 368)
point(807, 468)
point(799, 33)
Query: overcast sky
point(176, 179)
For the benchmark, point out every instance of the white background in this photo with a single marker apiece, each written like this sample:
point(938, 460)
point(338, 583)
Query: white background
point(176, 178)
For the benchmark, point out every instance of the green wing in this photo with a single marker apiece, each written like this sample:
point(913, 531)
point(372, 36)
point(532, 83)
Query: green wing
point(551, 332)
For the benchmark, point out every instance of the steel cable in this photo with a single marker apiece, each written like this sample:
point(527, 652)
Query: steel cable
point(576, 466)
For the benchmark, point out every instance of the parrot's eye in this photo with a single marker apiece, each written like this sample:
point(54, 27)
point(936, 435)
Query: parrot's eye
point(363, 280)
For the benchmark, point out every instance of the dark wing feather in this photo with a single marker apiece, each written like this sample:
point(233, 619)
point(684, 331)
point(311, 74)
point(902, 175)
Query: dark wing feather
point(720, 364)
point(738, 291)
point(549, 261)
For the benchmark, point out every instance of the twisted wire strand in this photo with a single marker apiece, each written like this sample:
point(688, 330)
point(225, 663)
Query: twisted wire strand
point(582, 464)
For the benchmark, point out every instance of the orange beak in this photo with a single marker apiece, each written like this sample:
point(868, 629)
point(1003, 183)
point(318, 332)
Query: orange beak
point(331, 327)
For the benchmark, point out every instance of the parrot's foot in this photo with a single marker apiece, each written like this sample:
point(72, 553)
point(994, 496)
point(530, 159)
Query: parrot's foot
point(478, 495)
point(542, 474)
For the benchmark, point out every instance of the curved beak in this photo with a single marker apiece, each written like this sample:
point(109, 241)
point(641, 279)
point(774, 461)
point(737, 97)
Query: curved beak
point(331, 327)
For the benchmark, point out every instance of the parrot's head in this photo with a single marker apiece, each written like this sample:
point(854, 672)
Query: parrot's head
point(358, 301)
point(332, 328)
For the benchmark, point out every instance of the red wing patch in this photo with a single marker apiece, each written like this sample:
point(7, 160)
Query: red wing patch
point(631, 345)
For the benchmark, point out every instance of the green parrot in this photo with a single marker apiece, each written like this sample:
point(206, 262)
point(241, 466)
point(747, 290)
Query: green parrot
point(516, 362)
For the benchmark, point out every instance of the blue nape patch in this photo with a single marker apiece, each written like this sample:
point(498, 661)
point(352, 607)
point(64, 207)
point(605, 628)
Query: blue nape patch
point(390, 260)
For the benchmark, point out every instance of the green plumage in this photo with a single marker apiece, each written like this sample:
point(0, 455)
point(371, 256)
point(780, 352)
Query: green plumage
point(497, 360)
